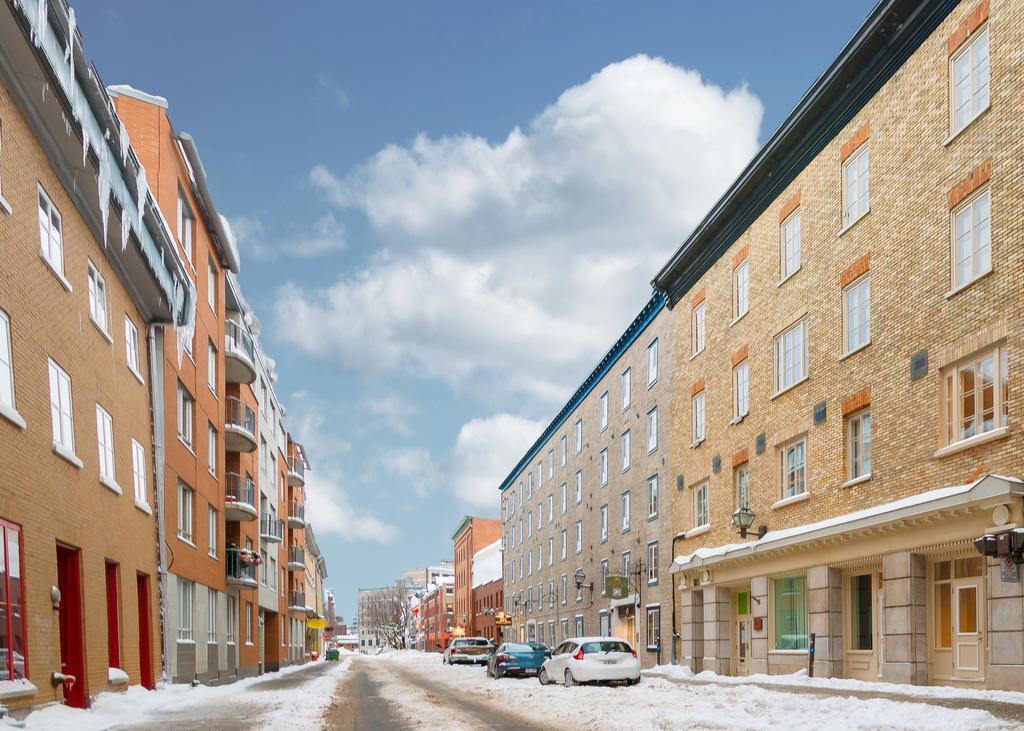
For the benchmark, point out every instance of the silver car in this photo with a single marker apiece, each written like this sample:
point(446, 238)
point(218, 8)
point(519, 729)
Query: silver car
point(473, 650)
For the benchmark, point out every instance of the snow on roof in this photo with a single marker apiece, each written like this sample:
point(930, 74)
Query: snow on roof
point(487, 564)
point(126, 90)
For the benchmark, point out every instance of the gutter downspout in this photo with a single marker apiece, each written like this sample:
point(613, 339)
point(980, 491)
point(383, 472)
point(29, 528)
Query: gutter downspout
point(677, 630)
point(156, 359)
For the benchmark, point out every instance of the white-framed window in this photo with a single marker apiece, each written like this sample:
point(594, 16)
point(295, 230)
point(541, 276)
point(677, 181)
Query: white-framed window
point(186, 414)
point(51, 237)
point(741, 289)
point(792, 469)
point(579, 623)
point(579, 536)
point(185, 225)
point(652, 496)
point(652, 430)
point(604, 410)
point(972, 238)
point(741, 390)
point(186, 602)
point(741, 481)
point(857, 314)
point(789, 613)
point(976, 396)
point(789, 245)
point(627, 388)
point(139, 473)
point(537, 512)
point(700, 505)
point(131, 346)
point(551, 551)
point(529, 485)
point(186, 511)
point(968, 81)
point(6, 364)
point(529, 526)
point(61, 410)
point(624, 509)
point(858, 428)
point(529, 562)
point(697, 328)
point(604, 523)
point(565, 598)
point(791, 356)
point(211, 448)
point(211, 616)
point(551, 463)
point(625, 443)
point(211, 285)
point(551, 507)
point(540, 557)
point(652, 563)
point(653, 627)
point(564, 544)
point(652, 363)
point(232, 618)
point(564, 498)
point(211, 367)
point(563, 451)
point(540, 475)
point(578, 431)
point(604, 467)
point(624, 562)
point(97, 298)
point(856, 201)
point(579, 486)
point(697, 416)
point(105, 440)
point(604, 581)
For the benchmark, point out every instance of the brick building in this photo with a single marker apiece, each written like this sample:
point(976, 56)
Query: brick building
point(848, 322)
point(471, 535)
point(437, 613)
point(488, 594)
point(587, 498)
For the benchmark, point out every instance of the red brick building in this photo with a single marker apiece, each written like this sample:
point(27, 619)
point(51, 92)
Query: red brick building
point(436, 610)
point(471, 535)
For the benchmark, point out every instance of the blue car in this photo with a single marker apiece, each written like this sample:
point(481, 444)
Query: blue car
point(517, 658)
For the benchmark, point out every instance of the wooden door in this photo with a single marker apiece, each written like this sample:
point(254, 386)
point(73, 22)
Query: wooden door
point(69, 622)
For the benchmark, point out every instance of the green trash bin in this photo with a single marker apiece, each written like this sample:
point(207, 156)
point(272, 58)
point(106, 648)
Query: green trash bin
point(332, 655)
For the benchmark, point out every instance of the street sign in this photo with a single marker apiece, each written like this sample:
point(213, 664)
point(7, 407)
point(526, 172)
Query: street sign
point(316, 623)
point(1009, 571)
point(502, 620)
point(616, 587)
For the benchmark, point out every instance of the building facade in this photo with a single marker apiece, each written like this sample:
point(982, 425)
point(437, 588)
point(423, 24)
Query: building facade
point(848, 321)
point(437, 608)
point(488, 593)
point(585, 503)
point(472, 535)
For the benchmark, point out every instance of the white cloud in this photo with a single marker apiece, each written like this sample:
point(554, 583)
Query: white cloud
point(391, 412)
point(511, 266)
point(413, 466)
point(327, 234)
point(485, 452)
point(332, 511)
point(337, 93)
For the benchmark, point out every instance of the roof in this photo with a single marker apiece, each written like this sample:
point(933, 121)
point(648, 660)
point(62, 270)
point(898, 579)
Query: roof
point(463, 524)
point(636, 328)
point(893, 31)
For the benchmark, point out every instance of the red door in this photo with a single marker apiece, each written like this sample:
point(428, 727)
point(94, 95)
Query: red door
point(145, 658)
point(69, 619)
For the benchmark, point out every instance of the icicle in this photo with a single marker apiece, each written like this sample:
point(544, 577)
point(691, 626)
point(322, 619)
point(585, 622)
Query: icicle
point(124, 144)
point(46, 85)
point(67, 124)
point(69, 54)
point(140, 195)
point(42, 24)
point(126, 228)
point(103, 185)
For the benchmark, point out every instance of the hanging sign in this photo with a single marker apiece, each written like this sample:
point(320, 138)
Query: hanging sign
point(316, 623)
point(616, 587)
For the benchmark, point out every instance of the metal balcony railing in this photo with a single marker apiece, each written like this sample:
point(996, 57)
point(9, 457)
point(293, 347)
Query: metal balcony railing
point(240, 565)
point(239, 489)
point(271, 528)
point(297, 599)
point(296, 511)
point(237, 340)
point(239, 414)
point(296, 555)
point(296, 468)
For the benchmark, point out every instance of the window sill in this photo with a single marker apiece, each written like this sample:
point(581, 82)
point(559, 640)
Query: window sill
point(739, 317)
point(144, 507)
point(968, 123)
point(138, 376)
point(12, 416)
point(699, 530)
point(790, 500)
point(974, 441)
point(857, 480)
point(737, 419)
point(186, 445)
point(103, 331)
point(788, 388)
point(694, 355)
point(17, 688)
point(5, 206)
point(64, 453)
point(186, 541)
point(185, 642)
point(696, 443)
point(854, 222)
point(788, 276)
point(60, 277)
point(111, 485)
point(856, 350)
point(957, 290)
point(652, 384)
point(652, 517)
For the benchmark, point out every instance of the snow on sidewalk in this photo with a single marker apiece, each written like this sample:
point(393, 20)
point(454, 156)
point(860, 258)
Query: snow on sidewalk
point(659, 703)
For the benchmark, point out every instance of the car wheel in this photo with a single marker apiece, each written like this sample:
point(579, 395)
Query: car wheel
point(632, 681)
point(542, 676)
point(569, 679)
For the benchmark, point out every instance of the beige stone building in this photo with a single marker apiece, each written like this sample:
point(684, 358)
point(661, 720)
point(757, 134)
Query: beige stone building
point(588, 499)
point(848, 320)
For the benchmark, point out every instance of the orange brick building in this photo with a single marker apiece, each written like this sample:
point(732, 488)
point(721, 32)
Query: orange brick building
point(471, 535)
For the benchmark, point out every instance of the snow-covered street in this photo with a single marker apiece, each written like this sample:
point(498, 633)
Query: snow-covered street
point(414, 690)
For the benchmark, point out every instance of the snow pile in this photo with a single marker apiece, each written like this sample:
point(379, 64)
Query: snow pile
point(487, 564)
point(117, 676)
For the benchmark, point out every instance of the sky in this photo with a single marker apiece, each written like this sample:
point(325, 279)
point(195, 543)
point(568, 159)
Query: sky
point(448, 211)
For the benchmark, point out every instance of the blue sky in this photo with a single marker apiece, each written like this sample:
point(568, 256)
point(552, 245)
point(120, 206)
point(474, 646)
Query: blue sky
point(448, 211)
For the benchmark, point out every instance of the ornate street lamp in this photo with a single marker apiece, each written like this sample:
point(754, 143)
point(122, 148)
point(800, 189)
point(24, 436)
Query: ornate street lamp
point(579, 578)
point(743, 518)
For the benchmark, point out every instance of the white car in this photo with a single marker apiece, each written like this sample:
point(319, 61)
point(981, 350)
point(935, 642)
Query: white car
point(591, 659)
point(473, 650)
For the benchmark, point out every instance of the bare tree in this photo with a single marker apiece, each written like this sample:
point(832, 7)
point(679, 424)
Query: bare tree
point(386, 614)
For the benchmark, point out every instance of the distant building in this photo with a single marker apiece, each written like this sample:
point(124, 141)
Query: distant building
point(487, 592)
point(470, 536)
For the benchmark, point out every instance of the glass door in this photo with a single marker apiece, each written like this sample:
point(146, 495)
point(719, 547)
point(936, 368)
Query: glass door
point(741, 641)
point(967, 631)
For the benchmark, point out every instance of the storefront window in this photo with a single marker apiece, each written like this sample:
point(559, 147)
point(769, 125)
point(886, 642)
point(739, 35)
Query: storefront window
point(790, 612)
point(860, 612)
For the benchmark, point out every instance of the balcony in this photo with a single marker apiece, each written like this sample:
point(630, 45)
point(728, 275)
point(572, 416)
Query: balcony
point(296, 601)
point(239, 498)
point(296, 514)
point(239, 426)
point(240, 567)
point(296, 559)
point(296, 471)
point(239, 354)
point(271, 528)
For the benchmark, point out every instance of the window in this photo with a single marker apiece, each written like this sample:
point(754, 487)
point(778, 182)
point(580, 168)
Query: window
point(604, 523)
point(61, 412)
point(186, 599)
point(551, 551)
point(97, 299)
point(790, 613)
point(105, 440)
point(211, 286)
point(861, 621)
point(579, 536)
point(232, 613)
point(653, 627)
point(540, 557)
point(697, 417)
point(13, 641)
point(186, 406)
point(976, 396)
point(604, 467)
point(565, 595)
point(652, 496)
point(211, 616)
point(627, 388)
point(857, 314)
point(211, 448)
point(139, 473)
point(551, 463)
point(578, 429)
point(652, 363)
point(700, 505)
point(697, 328)
point(652, 562)
point(624, 562)
point(859, 428)
point(564, 541)
point(741, 289)
point(563, 496)
point(652, 430)
point(740, 391)
point(741, 479)
point(563, 451)
point(624, 443)
point(6, 365)
point(211, 367)
point(131, 345)
point(185, 225)
point(791, 356)
point(186, 501)
point(791, 468)
point(579, 486)
point(529, 562)
point(789, 240)
point(604, 411)
point(624, 505)
point(972, 239)
point(529, 485)
point(51, 240)
point(248, 623)
point(968, 79)
point(211, 531)
point(855, 186)
point(551, 507)
point(579, 625)
point(529, 526)
point(604, 579)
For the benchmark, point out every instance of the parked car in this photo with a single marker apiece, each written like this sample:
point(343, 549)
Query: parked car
point(467, 650)
point(591, 659)
point(517, 658)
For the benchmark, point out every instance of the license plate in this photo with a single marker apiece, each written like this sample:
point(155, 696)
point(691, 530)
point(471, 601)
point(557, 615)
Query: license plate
point(610, 662)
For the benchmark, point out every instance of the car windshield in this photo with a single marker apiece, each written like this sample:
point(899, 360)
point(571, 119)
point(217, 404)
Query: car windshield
point(475, 643)
point(539, 647)
point(606, 646)
point(518, 647)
